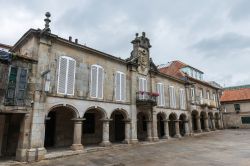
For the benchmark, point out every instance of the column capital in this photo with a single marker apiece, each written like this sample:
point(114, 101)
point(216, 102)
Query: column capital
point(127, 120)
point(177, 120)
point(78, 119)
point(165, 120)
point(106, 120)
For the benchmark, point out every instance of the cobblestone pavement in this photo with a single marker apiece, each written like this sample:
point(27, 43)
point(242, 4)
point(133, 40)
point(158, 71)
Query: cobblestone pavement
point(220, 148)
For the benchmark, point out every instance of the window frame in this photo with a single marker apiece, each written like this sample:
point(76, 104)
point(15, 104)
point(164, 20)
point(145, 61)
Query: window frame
point(98, 67)
point(182, 98)
point(172, 97)
point(67, 76)
point(120, 86)
point(145, 87)
point(161, 96)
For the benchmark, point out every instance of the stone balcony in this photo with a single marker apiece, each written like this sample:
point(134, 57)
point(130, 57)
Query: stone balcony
point(204, 102)
point(146, 98)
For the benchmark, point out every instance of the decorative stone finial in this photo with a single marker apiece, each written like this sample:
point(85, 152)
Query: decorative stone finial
point(47, 21)
point(143, 34)
point(137, 34)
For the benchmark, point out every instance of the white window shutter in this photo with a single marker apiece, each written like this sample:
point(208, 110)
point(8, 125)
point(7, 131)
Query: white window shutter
point(93, 81)
point(71, 76)
point(123, 86)
point(117, 87)
point(174, 98)
point(159, 92)
point(162, 95)
point(100, 82)
point(62, 75)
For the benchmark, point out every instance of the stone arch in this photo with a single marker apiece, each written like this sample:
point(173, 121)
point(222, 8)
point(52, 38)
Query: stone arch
point(161, 117)
point(171, 124)
point(182, 124)
point(142, 120)
point(76, 112)
point(122, 111)
point(117, 125)
point(59, 125)
point(92, 127)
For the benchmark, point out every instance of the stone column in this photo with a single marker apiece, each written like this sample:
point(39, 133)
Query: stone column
point(127, 131)
point(198, 124)
point(105, 132)
point(219, 123)
point(206, 124)
point(177, 129)
point(149, 130)
point(77, 139)
point(213, 124)
point(187, 131)
point(154, 127)
point(166, 130)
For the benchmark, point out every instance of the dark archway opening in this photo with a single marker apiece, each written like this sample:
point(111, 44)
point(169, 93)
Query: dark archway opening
point(59, 127)
point(194, 124)
point(92, 127)
point(9, 134)
point(141, 126)
point(182, 124)
point(160, 125)
point(171, 124)
point(210, 122)
point(117, 127)
point(202, 120)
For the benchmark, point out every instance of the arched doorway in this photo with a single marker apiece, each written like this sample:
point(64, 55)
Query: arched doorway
point(117, 126)
point(92, 129)
point(217, 118)
point(160, 125)
point(171, 124)
point(59, 127)
point(183, 120)
point(194, 120)
point(210, 120)
point(142, 119)
point(202, 120)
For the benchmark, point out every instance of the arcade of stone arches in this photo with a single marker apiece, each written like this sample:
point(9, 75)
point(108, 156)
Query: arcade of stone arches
point(64, 127)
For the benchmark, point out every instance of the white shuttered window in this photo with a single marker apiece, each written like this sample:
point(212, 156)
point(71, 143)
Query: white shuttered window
point(96, 84)
point(142, 87)
point(161, 97)
point(120, 88)
point(66, 76)
point(172, 97)
point(182, 99)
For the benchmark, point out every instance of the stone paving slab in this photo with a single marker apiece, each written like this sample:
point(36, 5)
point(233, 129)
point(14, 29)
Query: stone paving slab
point(220, 148)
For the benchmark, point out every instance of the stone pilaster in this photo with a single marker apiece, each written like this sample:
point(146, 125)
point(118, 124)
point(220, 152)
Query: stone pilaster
point(166, 130)
point(186, 125)
point(77, 139)
point(105, 132)
point(149, 131)
point(206, 124)
point(127, 131)
point(177, 129)
point(154, 127)
point(198, 124)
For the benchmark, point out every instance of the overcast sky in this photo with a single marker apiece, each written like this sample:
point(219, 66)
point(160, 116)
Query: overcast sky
point(211, 35)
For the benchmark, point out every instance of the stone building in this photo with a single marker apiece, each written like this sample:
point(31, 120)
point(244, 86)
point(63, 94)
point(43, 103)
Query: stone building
point(79, 96)
point(235, 102)
point(203, 97)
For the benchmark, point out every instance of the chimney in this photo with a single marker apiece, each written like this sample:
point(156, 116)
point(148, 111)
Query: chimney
point(76, 41)
point(70, 38)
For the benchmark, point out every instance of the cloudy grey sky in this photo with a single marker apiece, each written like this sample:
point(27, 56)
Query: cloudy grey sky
point(211, 35)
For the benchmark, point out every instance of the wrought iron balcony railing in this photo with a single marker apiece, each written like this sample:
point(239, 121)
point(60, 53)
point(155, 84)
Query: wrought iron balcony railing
point(146, 98)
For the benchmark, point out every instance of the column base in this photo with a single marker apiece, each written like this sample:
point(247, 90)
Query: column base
point(106, 143)
point(207, 130)
point(126, 141)
point(134, 141)
point(41, 153)
point(177, 136)
point(150, 139)
point(165, 137)
point(198, 131)
point(21, 155)
point(155, 139)
point(76, 147)
point(31, 155)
